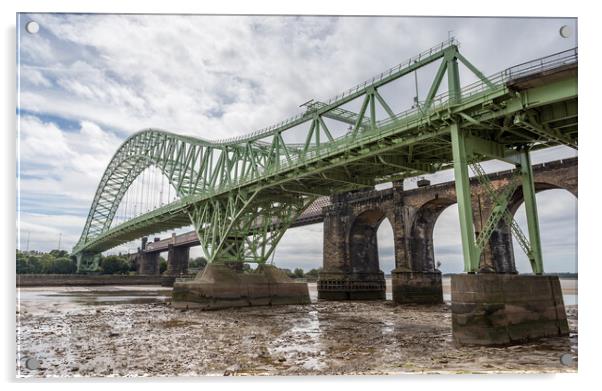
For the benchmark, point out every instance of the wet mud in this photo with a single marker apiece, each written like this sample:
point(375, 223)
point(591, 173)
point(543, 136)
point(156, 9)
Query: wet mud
point(133, 331)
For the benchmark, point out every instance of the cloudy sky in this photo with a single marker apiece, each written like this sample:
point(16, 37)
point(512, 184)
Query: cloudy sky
point(86, 82)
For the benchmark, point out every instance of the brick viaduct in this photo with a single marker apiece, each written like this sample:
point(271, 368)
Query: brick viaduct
point(351, 220)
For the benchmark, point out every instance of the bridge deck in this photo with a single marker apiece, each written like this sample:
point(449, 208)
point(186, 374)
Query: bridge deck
point(314, 213)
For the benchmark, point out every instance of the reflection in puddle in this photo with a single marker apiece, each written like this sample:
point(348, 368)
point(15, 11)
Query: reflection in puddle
point(131, 331)
point(306, 353)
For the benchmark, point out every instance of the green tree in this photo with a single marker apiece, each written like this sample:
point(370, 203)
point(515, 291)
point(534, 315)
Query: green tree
point(162, 265)
point(114, 264)
point(34, 265)
point(22, 265)
point(133, 264)
point(313, 273)
point(198, 263)
point(46, 262)
point(59, 253)
point(298, 273)
point(63, 265)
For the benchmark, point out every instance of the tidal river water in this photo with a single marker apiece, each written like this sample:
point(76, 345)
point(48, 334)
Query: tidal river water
point(133, 331)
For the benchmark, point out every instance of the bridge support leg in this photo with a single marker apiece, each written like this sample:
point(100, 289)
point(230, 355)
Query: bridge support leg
point(177, 260)
point(417, 287)
point(531, 210)
point(469, 250)
point(415, 279)
point(242, 229)
point(219, 286)
point(88, 262)
point(502, 309)
point(346, 274)
point(498, 254)
point(148, 263)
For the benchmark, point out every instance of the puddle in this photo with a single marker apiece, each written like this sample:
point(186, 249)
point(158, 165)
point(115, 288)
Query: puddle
point(133, 331)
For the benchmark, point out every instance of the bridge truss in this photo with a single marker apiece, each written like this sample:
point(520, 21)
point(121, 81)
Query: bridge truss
point(241, 194)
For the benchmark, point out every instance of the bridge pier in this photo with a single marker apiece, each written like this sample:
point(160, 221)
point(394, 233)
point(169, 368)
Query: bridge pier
point(495, 308)
point(498, 254)
point(88, 262)
point(501, 309)
point(416, 287)
point(177, 260)
point(148, 263)
point(219, 286)
point(350, 270)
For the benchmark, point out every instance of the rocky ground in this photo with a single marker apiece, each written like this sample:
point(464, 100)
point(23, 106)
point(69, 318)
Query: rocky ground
point(142, 335)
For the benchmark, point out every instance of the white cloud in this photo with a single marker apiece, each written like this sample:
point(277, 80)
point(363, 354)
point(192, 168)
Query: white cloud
point(59, 173)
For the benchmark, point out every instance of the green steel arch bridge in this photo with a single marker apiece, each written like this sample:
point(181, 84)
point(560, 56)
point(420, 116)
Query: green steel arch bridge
point(241, 194)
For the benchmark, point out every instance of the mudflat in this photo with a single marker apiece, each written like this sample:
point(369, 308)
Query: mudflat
point(134, 331)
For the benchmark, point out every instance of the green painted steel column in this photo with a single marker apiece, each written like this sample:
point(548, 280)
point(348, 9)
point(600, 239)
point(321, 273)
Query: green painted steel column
point(372, 111)
point(531, 209)
point(469, 249)
point(453, 75)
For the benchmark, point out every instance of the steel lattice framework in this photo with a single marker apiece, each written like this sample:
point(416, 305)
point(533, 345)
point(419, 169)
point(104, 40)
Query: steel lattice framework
point(241, 194)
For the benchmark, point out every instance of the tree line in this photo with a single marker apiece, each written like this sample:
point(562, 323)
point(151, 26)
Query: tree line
point(53, 262)
point(300, 273)
point(61, 262)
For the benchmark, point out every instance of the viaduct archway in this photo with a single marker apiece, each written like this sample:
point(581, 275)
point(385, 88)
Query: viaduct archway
point(351, 266)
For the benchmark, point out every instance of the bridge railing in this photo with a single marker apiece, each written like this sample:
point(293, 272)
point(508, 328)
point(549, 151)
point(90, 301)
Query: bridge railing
point(542, 64)
point(442, 101)
point(498, 79)
point(406, 64)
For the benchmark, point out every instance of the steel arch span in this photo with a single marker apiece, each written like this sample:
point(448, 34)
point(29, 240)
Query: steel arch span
point(241, 194)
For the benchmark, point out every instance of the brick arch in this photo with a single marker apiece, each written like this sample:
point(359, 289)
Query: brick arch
point(503, 256)
point(500, 252)
point(563, 178)
point(518, 198)
point(362, 245)
point(422, 256)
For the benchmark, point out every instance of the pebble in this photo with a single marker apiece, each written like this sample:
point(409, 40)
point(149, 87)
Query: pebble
point(326, 338)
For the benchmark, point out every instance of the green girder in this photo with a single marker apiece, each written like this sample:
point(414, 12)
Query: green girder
point(242, 193)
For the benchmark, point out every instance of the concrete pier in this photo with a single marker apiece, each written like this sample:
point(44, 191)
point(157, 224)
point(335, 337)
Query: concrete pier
point(417, 287)
point(148, 264)
point(502, 309)
point(177, 260)
point(219, 286)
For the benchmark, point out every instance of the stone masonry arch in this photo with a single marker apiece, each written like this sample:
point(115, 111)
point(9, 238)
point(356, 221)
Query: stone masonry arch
point(362, 240)
point(422, 248)
point(351, 221)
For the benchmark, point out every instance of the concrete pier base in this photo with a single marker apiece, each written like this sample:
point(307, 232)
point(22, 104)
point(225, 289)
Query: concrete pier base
point(502, 309)
point(351, 286)
point(219, 286)
point(417, 287)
